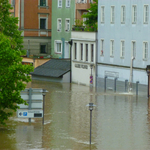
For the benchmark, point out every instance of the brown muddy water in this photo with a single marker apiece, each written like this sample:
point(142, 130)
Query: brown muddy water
point(119, 121)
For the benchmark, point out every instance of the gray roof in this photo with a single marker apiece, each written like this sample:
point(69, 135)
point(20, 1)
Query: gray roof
point(53, 68)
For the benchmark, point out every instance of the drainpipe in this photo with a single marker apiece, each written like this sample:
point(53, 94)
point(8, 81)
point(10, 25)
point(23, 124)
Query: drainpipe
point(14, 7)
point(96, 52)
point(70, 42)
point(131, 75)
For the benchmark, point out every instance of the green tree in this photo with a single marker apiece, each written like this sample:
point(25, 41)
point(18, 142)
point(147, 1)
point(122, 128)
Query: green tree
point(13, 75)
point(92, 15)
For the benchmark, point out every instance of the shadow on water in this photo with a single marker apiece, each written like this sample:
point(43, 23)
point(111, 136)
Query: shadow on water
point(119, 121)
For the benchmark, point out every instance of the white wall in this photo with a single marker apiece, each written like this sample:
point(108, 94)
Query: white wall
point(123, 73)
point(81, 69)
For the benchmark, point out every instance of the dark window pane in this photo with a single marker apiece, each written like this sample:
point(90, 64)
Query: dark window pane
point(42, 2)
point(81, 51)
point(42, 23)
point(86, 52)
point(43, 49)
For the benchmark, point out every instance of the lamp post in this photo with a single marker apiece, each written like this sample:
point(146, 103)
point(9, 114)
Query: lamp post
point(70, 42)
point(90, 105)
point(44, 93)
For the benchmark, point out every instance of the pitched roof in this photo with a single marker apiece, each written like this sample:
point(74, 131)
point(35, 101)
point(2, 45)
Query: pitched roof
point(53, 68)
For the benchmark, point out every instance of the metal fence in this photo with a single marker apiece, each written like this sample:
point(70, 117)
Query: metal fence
point(116, 86)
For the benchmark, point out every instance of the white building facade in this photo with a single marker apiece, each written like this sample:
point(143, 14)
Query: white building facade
point(83, 58)
point(123, 40)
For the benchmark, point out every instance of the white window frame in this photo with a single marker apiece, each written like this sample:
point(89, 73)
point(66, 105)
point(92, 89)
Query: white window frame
point(123, 12)
point(68, 3)
point(12, 2)
point(84, 19)
point(102, 14)
point(59, 3)
point(145, 50)
point(102, 47)
point(111, 48)
point(59, 24)
point(56, 49)
point(146, 14)
point(134, 14)
point(122, 48)
point(82, 1)
point(67, 24)
point(133, 49)
point(112, 15)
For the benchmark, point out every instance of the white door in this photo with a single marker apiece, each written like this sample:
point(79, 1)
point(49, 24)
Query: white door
point(67, 50)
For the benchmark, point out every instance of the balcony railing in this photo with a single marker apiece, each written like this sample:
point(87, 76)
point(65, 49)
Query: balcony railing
point(84, 1)
point(84, 28)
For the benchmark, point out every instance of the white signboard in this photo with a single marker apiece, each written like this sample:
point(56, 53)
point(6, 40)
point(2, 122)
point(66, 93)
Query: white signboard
point(34, 105)
point(112, 74)
point(30, 113)
point(34, 98)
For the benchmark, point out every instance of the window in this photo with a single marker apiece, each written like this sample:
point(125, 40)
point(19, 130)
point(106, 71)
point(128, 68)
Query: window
point(59, 3)
point(42, 2)
point(75, 50)
point(146, 12)
point(145, 50)
point(42, 23)
point(102, 14)
point(92, 52)
point(67, 3)
point(86, 52)
point(84, 19)
point(122, 14)
point(111, 47)
point(43, 48)
point(90, 1)
point(134, 14)
point(67, 25)
point(102, 47)
point(81, 48)
point(83, 1)
point(12, 2)
point(112, 19)
point(133, 49)
point(58, 46)
point(122, 49)
point(59, 24)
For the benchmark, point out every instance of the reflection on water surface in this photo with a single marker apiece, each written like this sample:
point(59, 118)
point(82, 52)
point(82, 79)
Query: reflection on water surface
point(119, 122)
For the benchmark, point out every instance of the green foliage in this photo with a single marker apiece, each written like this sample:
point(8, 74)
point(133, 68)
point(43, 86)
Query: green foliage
point(13, 75)
point(91, 28)
point(79, 23)
point(92, 14)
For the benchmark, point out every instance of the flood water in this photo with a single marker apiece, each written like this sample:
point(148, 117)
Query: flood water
point(119, 121)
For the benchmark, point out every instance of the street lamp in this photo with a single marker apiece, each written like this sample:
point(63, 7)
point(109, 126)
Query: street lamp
point(44, 93)
point(91, 66)
point(90, 105)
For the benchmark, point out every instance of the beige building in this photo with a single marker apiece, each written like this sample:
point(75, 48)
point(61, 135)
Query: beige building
point(35, 23)
point(81, 8)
